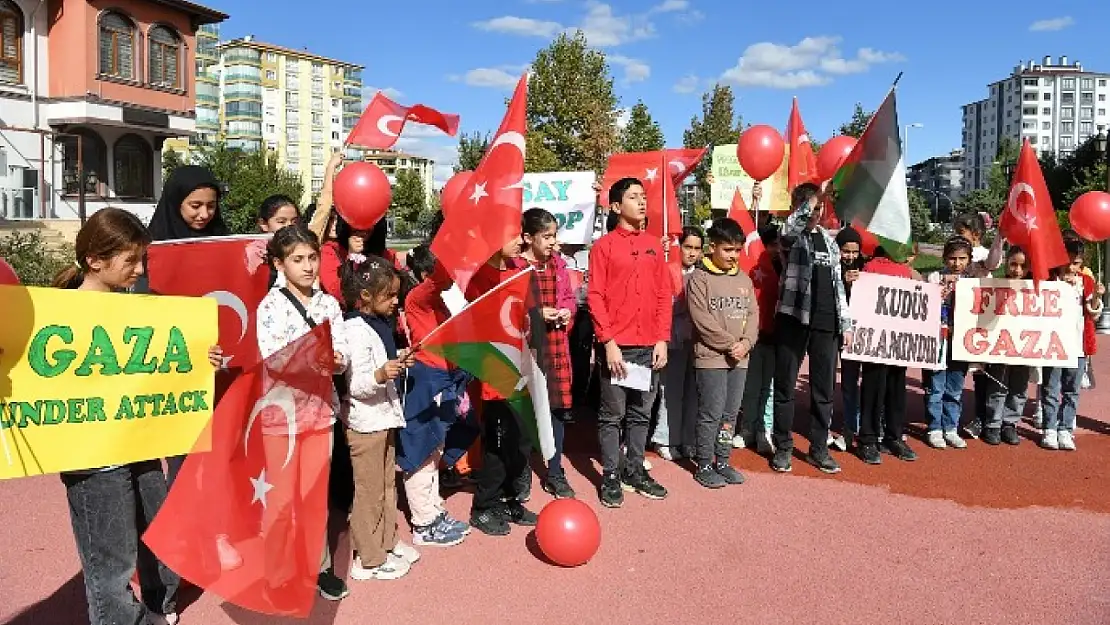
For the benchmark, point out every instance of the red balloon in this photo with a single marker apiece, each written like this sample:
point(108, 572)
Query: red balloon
point(362, 194)
point(1090, 215)
point(832, 154)
point(568, 532)
point(8, 276)
point(760, 151)
point(452, 189)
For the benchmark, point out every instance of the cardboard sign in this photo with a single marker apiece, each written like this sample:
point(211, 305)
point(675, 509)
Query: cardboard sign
point(570, 197)
point(897, 322)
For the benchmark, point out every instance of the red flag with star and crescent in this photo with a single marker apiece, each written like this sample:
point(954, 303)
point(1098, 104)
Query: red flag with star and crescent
point(486, 213)
point(1029, 219)
point(802, 166)
point(753, 245)
point(662, 172)
point(383, 120)
point(247, 521)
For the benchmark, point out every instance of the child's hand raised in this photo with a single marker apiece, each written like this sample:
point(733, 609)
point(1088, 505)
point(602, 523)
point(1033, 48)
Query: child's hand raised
point(216, 356)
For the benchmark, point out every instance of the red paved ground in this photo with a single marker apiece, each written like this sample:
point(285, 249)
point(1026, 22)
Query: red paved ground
point(985, 535)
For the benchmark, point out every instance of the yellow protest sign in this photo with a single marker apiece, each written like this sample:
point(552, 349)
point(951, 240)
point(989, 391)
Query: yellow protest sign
point(89, 380)
point(729, 176)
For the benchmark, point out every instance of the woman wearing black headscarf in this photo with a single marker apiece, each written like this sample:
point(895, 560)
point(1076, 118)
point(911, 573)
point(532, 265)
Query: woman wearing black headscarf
point(189, 207)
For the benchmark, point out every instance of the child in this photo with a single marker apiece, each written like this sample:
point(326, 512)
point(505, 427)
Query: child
point(851, 262)
point(725, 316)
point(883, 390)
point(812, 320)
point(286, 314)
point(759, 387)
point(276, 212)
point(1060, 394)
point(1009, 384)
point(629, 295)
point(111, 507)
point(674, 432)
point(371, 412)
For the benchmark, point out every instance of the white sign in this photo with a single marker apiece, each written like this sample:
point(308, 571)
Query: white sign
point(570, 196)
point(897, 322)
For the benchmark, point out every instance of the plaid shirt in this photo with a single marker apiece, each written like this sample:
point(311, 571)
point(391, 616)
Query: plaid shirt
point(795, 294)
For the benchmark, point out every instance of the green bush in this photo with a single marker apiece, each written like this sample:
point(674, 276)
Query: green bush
point(35, 261)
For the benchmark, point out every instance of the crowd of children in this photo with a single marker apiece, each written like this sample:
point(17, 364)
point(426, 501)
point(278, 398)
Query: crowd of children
point(692, 354)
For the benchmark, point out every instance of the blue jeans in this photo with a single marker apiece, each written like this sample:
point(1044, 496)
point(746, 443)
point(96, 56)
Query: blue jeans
point(944, 400)
point(849, 392)
point(1060, 396)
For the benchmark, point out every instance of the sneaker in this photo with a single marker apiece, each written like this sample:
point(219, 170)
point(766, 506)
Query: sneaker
point(641, 482)
point(823, 462)
point(437, 534)
point(331, 587)
point(153, 618)
point(971, 430)
point(992, 436)
point(666, 452)
point(611, 494)
point(764, 445)
point(1010, 436)
point(781, 461)
point(517, 514)
point(523, 485)
point(731, 475)
point(935, 439)
point(738, 442)
point(450, 480)
point(1066, 439)
point(394, 567)
point(405, 552)
point(558, 487)
point(869, 453)
point(707, 477)
point(953, 439)
point(228, 554)
point(453, 524)
point(838, 443)
point(490, 523)
point(900, 450)
point(1050, 440)
point(647, 465)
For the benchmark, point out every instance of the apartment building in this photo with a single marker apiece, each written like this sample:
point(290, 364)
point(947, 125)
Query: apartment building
point(393, 161)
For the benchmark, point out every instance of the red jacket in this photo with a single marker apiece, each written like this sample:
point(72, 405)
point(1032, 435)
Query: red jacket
point(1090, 340)
point(630, 289)
point(888, 267)
point(332, 258)
point(766, 282)
point(424, 312)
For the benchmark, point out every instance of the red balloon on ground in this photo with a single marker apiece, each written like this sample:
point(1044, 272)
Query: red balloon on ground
point(832, 155)
point(568, 532)
point(452, 189)
point(7, 274)
point(760, 151)
point(362, 194)
point(1090, 215)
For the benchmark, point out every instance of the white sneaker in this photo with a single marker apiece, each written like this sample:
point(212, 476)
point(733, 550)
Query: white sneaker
point(392, 568)
point(406, 552)
point(838, 443)
point(1067, 440)
point(647, 464)
point(228, 554)
point(935, 439)
point(153, 618)
point(764, 444)
point(952, 437)
point(668, 452)
point(738, 442)
point(1049, 440)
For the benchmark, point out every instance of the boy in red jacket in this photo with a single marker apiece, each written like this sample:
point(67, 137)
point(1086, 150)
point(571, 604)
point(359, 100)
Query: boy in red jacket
point(629, 296)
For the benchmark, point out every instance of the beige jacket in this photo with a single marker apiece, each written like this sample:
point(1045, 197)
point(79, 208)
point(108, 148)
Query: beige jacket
point(724, 311)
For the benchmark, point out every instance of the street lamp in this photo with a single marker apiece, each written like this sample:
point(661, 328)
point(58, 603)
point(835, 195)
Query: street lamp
point(1103, 325)
point(906, 141)
point(936, 201)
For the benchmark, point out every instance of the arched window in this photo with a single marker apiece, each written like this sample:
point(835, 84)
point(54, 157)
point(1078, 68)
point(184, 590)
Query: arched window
point(11, 43)
point(117, 46)
point(133, 167)
point(165, 53)
point(94, 162)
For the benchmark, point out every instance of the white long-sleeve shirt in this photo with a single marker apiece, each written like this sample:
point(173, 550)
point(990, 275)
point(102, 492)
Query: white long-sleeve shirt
point(370, 406)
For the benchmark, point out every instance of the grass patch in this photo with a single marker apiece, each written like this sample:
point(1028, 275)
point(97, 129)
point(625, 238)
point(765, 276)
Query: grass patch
point(925, 264)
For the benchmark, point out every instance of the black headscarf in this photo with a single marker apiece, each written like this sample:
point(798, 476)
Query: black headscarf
point(167, 223)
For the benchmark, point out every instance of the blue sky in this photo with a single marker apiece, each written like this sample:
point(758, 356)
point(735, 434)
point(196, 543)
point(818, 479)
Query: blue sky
point(462, 56)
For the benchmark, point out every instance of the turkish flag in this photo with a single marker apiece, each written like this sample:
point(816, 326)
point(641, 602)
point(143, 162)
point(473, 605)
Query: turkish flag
point(383, 120)
point(247, 520)
point(802, 166)
point(486, 213)
point(1029, 220)
point(231, 270)
point(661, 172)
point(753, 244)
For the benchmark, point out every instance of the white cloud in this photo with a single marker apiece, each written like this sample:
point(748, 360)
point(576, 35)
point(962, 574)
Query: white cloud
point(810, 63)
point(502, 77)
point(635, 70)
point(369, 92)
point(669, 6)
point(1056, 23)
point(523, 26)
point(686, 84)
point(604, 28)
point(622, 117)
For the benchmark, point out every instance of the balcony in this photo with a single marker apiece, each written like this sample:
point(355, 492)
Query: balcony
point(352, 108)
point(18, 203)
point(243, 55)
point(241, 93)
point(352, 92)
point(252, 79)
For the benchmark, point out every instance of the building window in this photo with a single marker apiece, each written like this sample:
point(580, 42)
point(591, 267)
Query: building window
point(133, 164)
point(1046, 111)
point(1086, 112)
point(1087, 83)
point(317, 119)
point(1067, 83)
point(271, 74)
point(1067, 111)
point(94, 159)
point(271, 57)
point(317, 136)
point(1030, 82)
point(292, 98)
point(1046, 125)
point(165, 52)
point(1046, 96)
point(292, 117)
point(117, 46)
point(1086, 128)
point(1067, 98)
point(317, 104)
point(317, 184)
point(1086, 98)
point(1067, 127)
point(11, 43)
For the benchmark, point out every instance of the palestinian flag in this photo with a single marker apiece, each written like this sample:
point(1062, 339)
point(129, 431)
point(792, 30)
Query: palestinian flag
point(871, 183)
point(491, 339)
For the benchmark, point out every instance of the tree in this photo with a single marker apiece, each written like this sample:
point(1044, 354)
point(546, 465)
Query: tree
point(249, 178)
point(643, 133)
point(571, 104)
point(171, 160)
point(718, 125)
point(409, 202)
point(920, 216)
point(855, 126)
point(472, 147)
point(539, 158)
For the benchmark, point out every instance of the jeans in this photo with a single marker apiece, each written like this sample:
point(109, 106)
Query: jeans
point(625, 406)
point(1006, 405)
point(109, 511)
point(503, 458)
point(678, 405)
point(1060, 396)
point(558, 431)
point(795, 341)
point(882, 394)
point(759, 388)
point(850, 394)
point(944, 399)
point(719, 394)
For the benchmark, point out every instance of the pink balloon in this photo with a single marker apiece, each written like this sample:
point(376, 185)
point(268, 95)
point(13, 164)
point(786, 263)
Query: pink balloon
point(760, 151)
point(452, 189)
point(8, 276)
point(362, 194)
point(1090, 215)
point(832, 155)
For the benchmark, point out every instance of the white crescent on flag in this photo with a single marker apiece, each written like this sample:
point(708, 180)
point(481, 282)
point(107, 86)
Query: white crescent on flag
point(383, 124)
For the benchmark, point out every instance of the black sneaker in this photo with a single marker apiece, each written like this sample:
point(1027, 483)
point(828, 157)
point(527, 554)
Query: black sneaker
point(992, 436)
point(823, 462)
point(558, 487)
point(709, 478)
point(450, 480)
point(490, 523)
point(900, 450)
point(330, 586)
point(523, 485)
point(782, 459)
point(869, 453)
point(515, 512)
point(638, 480)
point(731, 475)
point(1010, 435)
point(611, 493)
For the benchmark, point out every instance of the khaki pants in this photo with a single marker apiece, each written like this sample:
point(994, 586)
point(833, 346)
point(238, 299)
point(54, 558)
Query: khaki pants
point(374, 513)
point(422, 492)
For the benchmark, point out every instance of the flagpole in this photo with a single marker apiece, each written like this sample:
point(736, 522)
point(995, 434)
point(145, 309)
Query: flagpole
point(665, 171)
point(896, 79)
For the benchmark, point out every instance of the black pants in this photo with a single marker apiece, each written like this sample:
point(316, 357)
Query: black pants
point(982, 385)
point(794, 342)
point(581, 349)
point(882, 394)
point(503, 455)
